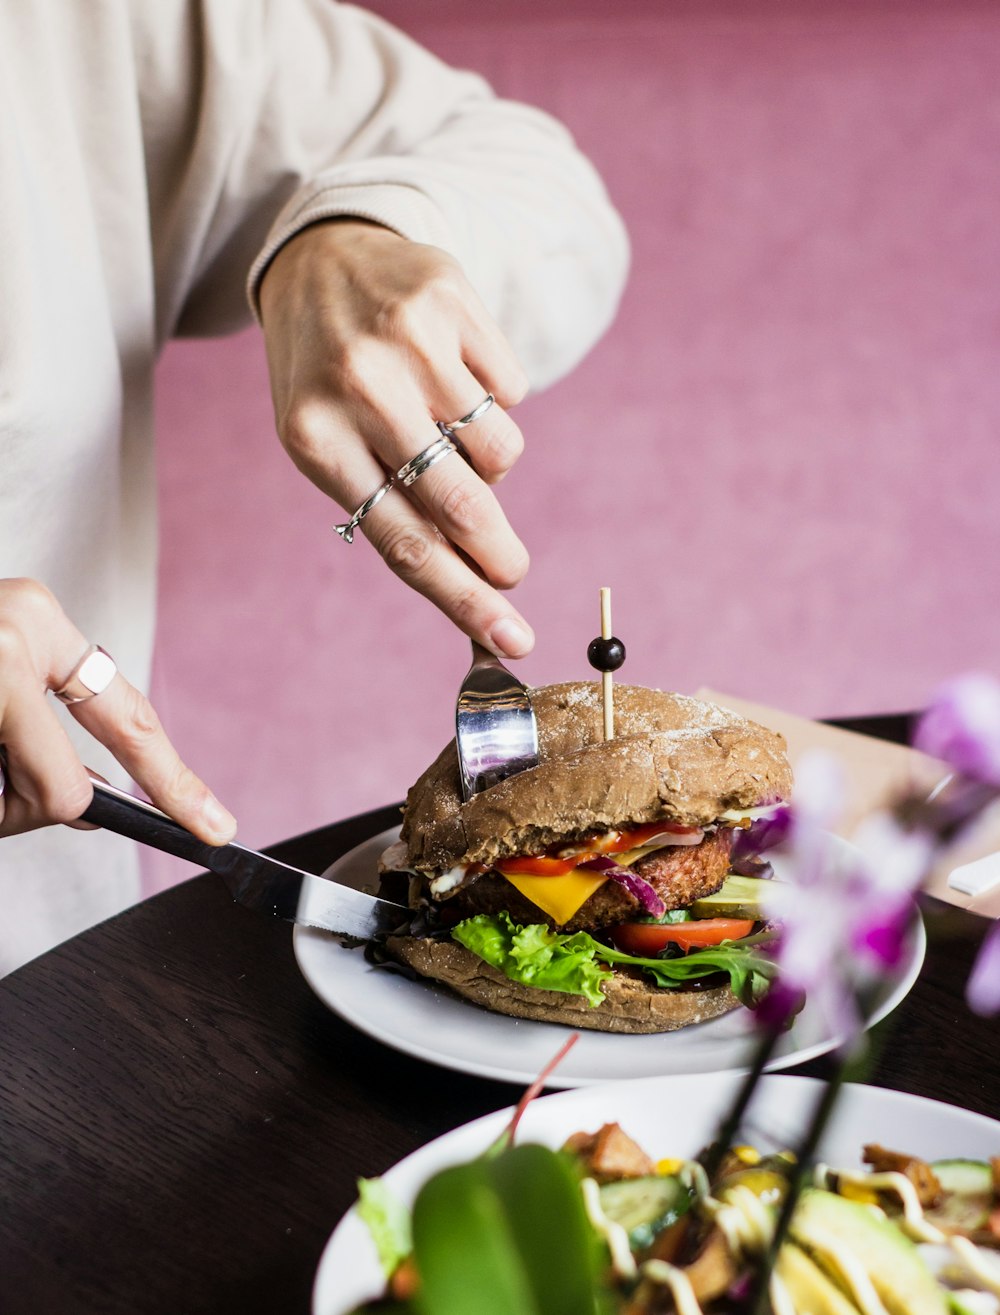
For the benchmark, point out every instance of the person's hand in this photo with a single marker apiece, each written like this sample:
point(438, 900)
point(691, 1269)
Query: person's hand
point(45, 781)
point(372, 339)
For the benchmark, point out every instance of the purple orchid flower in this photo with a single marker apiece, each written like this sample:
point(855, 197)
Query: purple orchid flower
point(962, 727)
point(844, 912)
point(982, 991)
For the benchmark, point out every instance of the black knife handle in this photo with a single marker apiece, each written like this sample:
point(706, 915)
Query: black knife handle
point(123, 813)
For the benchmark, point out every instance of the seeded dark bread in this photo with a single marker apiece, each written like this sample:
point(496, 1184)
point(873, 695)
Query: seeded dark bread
point(630, 1005)
point(671, 757)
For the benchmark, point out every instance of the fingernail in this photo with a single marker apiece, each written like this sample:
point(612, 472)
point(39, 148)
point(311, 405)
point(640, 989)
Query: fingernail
point(511, 637)
point(219, 821)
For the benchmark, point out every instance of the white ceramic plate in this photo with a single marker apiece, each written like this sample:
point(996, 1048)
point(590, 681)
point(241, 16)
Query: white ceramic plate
point(426, 1021)
point(673, 1116)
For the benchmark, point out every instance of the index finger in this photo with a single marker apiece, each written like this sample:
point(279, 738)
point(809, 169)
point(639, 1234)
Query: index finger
point(124, 720)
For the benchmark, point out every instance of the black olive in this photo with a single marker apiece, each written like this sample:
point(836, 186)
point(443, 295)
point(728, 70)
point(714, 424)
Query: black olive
point(606, 654)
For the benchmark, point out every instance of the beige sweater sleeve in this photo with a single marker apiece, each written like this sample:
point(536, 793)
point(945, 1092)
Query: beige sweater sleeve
point(263, 116)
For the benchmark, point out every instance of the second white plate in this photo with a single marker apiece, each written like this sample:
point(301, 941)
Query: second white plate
point(428, 1022)
point(668, 1117)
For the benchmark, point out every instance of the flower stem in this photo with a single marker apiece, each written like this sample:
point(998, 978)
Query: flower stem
point(759, 1303)
point(730, 1126)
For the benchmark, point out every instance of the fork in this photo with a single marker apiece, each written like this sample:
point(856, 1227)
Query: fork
point(495, 728)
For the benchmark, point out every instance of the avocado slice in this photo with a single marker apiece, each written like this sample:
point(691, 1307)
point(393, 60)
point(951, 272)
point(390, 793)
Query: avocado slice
point(825, 1222)
point(737, 897)
point(808, 1287)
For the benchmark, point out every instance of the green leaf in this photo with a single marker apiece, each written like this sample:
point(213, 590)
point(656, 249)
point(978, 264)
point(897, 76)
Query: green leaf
point(506, 1235)
point(750, 972)
point(387, 1220)
point(536, 956)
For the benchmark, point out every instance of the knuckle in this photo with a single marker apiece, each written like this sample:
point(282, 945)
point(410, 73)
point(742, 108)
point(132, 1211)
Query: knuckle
point(358, 369)
point(407, 552)
point(28, 598)
point(303, 427)
point(184, 790)
point(13, 650)
point(463, 508)
point(466, 609)
point(140, 726)
point(511, 570)
point(500, 450)
point(65, 801)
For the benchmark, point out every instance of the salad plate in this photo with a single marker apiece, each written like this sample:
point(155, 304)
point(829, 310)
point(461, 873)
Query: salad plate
point(668, 1117)
point(427, 1022)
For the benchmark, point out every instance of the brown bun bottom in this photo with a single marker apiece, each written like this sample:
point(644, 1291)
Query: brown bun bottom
point(631, 1005)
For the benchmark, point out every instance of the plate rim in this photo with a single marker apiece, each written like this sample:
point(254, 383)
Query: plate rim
point(305, 938)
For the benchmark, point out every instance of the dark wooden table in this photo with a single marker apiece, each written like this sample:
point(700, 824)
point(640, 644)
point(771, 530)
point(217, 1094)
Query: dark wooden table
point(182, 1122)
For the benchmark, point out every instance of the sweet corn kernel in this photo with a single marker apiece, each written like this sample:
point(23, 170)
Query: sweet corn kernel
point(747, 1154)
point(667, 1167)
point(857, 1192)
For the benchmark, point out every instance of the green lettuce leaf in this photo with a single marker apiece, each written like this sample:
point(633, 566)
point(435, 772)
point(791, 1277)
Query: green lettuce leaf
point(387, 1220)
point(537, 956)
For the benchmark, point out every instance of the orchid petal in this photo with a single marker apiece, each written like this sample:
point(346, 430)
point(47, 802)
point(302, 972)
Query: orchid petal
point(982, 992)
point(962, 727)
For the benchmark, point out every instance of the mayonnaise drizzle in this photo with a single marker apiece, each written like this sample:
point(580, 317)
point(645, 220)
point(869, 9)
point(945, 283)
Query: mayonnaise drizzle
point(748, 1226)
point(622, 1259)
point(914, 1222)
point(659, 1271)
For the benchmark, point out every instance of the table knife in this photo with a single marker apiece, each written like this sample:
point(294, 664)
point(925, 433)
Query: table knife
point(260, 883)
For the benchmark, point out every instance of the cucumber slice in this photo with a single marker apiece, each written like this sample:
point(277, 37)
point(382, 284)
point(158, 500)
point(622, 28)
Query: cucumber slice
point(968, 1196)
point(645, 1206)
point(737, 897)
point(965, 1176)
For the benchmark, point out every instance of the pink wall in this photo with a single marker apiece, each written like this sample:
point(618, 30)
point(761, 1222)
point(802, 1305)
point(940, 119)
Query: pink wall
point(782, 458)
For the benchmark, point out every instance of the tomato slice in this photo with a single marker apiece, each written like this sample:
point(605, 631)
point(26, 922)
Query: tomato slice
point(647, 939)
point(615, 842)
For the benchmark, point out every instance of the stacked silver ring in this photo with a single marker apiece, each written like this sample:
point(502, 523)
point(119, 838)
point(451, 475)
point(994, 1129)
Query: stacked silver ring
point(419, 465)
point(411, 471)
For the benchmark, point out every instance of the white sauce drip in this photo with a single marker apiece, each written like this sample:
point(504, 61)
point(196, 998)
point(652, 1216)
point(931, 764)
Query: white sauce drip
point(747, 1225)
point(622, 1259)
point(659, 1271)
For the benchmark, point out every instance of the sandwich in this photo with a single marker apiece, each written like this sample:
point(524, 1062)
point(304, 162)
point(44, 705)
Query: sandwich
point(597, 889)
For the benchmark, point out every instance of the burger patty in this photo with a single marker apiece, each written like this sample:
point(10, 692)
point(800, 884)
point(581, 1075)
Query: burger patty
point(679, 874)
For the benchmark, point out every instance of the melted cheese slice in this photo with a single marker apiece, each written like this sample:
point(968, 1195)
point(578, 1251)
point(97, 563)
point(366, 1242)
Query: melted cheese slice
point(559, 897)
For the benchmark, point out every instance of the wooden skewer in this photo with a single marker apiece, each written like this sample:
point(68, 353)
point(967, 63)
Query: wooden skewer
point(607, 681)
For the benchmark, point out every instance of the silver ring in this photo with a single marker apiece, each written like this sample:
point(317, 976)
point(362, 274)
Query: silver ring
point(346, 531)
point(475, 414)
point(91, 676)
point(3, 779)
point(434, 452)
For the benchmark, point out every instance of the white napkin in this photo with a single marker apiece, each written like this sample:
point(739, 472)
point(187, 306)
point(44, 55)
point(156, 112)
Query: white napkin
point(877, 770)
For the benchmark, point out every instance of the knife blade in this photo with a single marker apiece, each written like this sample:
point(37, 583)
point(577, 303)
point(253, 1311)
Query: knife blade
point(254, 880)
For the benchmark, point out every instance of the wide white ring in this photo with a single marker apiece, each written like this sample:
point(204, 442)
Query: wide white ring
point(91, 676)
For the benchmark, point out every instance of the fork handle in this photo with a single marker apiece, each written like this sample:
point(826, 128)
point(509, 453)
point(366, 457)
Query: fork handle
point(482, 657)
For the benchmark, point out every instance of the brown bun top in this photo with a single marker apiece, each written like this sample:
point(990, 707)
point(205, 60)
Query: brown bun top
point(672, 757)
